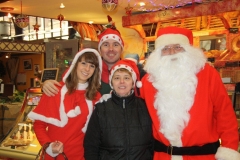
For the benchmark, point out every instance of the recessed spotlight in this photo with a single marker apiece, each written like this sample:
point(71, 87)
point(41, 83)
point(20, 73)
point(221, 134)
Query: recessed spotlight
point(177, 12)
point(141, 4)
point(90, 22)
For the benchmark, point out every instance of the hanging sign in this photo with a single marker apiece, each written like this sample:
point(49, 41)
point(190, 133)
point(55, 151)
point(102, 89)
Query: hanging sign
point(233, 30)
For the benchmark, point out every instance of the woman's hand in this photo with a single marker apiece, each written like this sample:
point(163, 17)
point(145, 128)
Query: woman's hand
point(57, 147)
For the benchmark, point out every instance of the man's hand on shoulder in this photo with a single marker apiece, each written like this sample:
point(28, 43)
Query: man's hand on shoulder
point(49, 87)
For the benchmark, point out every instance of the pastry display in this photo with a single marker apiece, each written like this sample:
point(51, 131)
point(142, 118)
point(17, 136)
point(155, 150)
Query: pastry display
point(20, 138)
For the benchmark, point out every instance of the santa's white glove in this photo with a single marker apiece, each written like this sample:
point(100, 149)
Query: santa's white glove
point(104, 97)
point(50, 151)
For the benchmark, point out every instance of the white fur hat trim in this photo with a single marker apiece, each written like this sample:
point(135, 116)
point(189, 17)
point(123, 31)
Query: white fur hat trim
point(167, 39)
point(110, 36)
point(134, 76)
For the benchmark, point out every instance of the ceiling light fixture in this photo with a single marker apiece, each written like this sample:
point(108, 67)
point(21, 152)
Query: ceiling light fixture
point(21, 20)
point(7, 9)
point(60, 17)
point(142, 4)
point(90, 22)
point(109, 5)
point(62, 5)
point(8, 55)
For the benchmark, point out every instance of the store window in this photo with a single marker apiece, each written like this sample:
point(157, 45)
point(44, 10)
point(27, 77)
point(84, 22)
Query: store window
point(208, 43)
point(49, 28)
point(57, 31)
point(47, 23)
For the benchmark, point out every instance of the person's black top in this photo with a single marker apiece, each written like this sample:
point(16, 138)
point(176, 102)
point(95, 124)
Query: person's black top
point(119, 129)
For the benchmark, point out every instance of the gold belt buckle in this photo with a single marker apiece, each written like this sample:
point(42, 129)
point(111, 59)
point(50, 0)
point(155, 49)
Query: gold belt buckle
point(171, 149)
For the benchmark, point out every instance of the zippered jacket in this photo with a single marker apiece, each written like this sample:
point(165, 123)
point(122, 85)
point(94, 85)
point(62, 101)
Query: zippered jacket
point(119, 129)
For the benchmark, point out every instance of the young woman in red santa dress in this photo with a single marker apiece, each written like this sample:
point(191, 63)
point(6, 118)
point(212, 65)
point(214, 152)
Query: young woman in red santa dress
point(62, 119)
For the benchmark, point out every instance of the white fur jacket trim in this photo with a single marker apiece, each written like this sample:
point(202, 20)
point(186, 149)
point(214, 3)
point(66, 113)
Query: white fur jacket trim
point(227, 154)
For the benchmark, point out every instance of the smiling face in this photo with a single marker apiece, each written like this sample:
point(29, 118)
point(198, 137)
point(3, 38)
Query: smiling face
point(110, 51)
point(84, 70)
point(122, 82)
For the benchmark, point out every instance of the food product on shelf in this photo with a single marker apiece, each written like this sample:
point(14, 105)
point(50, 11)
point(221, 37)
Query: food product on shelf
point(217, 54)
point(20, 138)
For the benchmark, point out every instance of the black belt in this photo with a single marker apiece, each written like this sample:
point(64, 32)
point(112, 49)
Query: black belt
point(210, 148)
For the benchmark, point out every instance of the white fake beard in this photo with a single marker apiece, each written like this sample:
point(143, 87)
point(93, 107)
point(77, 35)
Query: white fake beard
point(174, 78)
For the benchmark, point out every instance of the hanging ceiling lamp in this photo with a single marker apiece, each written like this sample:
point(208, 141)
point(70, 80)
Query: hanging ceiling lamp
point(21, 20)
point(109, 5)
point(36, 27)
point(60, 17)
point(7, 9)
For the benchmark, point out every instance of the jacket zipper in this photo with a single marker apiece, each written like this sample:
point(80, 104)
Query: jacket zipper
point(127, 129)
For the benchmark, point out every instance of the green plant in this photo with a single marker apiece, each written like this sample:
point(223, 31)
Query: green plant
point(18, 96)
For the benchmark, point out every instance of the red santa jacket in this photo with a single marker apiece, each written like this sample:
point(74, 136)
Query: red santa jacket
point(211, 118)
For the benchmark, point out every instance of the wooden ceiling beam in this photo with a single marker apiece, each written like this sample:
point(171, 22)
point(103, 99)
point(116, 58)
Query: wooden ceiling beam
point(225, 20)
point(194, 10)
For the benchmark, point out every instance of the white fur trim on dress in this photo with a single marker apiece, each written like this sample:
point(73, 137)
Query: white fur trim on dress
point(63, 115)
point(227, 154)
point(76, 58)
point(167, 39)
point(60, 123)
point(90, 110)
point(74, 112)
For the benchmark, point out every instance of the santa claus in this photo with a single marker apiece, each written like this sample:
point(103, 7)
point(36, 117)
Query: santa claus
point(192, 114)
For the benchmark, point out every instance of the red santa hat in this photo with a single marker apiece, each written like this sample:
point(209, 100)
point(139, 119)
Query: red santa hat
point(131, 67)
point(76, 58)
point(110, 34)
point(173, 35)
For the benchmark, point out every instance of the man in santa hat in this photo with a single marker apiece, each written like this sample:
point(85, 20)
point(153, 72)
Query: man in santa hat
point(110, 47)
point(192, 114)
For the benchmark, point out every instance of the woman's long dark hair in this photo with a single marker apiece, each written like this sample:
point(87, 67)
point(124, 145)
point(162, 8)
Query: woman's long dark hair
point(93, 81)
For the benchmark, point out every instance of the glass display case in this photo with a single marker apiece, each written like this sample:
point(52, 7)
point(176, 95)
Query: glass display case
point(21, 142)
